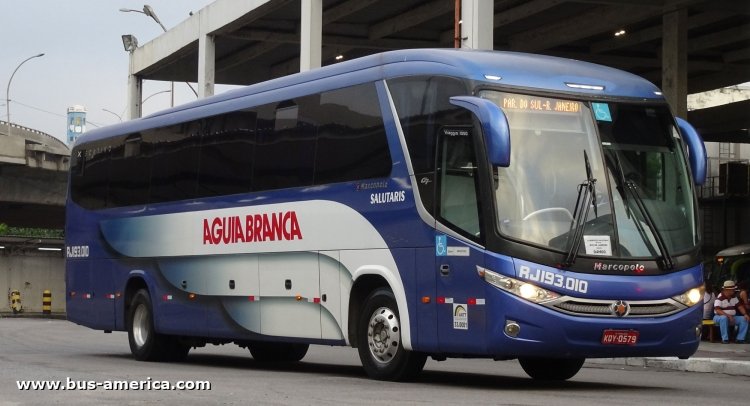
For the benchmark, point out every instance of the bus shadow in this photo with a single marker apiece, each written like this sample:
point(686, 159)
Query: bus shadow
point(463, 380)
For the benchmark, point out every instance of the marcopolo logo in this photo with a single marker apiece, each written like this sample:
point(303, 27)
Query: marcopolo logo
point(601, 266)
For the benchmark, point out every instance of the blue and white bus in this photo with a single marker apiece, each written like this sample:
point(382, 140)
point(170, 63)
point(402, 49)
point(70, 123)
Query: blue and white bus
point(412, 204)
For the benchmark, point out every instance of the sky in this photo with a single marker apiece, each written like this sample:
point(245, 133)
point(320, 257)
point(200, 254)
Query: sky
point(84, 62)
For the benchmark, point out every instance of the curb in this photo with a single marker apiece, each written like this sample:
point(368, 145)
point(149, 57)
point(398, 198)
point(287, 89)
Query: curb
point(710, 365)
point(35, 315)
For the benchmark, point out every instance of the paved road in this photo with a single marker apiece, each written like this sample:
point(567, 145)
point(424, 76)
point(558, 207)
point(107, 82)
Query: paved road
point(32, 349)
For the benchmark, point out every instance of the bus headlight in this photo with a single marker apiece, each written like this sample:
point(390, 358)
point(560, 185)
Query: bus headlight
point(517, 287)
point(691, 297)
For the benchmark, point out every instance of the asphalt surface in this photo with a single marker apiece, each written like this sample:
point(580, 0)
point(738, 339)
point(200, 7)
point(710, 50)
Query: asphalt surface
point(731, 359)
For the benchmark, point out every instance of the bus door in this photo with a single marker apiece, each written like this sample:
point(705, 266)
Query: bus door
point(460, 300)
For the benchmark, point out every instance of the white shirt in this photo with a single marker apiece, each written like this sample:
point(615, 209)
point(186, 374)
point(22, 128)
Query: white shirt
point(728, 305)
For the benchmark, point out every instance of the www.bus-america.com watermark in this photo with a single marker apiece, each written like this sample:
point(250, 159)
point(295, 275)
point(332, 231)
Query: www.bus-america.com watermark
point(148, 384)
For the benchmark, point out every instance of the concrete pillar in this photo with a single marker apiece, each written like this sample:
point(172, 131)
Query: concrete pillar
point(311, 35)
point(135, 91)
point(477, 25)
point(206, 65)
point(674, 61)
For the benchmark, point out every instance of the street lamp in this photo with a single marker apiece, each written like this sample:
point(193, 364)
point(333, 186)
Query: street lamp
point(149, 11)
point(159, 92)
point(129, 42)
point(144, 101)
point(112, 112)
point(7, 89)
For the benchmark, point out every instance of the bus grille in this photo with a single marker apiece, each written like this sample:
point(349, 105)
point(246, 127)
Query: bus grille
point(602, 308)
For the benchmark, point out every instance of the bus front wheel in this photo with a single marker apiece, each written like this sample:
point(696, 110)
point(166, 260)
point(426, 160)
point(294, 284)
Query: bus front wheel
point(551, 369)
point(379, 340)
point(145, 343)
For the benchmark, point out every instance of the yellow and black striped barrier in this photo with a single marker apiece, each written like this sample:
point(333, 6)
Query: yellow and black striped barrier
point(15, 301)
point(47, 302)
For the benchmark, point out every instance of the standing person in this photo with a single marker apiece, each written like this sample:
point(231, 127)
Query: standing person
point(726, 308)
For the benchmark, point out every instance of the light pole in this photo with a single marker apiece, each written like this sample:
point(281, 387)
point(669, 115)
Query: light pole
point(159, 92)
point(144, 101)
point(112, 112)
point(149, 11)
point(7, 89)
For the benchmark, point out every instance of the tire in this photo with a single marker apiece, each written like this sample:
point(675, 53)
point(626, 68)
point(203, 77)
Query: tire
point(379, 341)
point(263, 351)
point(551, 369)
point(145, 343)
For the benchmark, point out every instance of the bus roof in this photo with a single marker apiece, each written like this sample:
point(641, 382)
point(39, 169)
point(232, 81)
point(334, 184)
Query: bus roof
point(508, 69)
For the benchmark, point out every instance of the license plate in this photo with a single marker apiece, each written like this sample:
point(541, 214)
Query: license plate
point(620, 337)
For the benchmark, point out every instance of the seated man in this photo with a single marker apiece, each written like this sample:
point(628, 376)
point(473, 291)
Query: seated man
point(726, 308)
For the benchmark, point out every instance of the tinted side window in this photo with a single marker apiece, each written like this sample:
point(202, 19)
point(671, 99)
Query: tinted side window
point(423, 106)
point(174, 175)
point(227, 152)
point(129, 172)
point(352, 143)
point(332, 137)
point(285, 150)
point(88, 181)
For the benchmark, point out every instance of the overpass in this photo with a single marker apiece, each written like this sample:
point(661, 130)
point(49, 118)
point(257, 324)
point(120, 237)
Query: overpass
point(33, 177)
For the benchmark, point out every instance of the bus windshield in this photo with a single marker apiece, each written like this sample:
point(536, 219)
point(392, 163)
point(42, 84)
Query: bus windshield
point(594, 179)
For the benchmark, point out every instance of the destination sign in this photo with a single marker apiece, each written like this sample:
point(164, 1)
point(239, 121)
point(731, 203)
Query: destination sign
point(533, 103)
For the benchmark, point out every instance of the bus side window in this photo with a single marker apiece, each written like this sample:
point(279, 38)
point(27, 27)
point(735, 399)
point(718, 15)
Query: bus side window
point(285, 149)
point(458, 180)
point(129, 172)
point(227, 149)
point(351, 142)
point(423, 106)
point(89, 169)
point(174, 175)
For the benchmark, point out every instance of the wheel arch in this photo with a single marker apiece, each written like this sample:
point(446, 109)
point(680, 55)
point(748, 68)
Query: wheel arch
point(136, 281)
point(367, 280)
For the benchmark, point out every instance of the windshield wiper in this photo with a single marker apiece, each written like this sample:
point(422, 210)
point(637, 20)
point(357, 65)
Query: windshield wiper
point(586, 195)
point(667, 261)
point(626, 186)
point(620, 176)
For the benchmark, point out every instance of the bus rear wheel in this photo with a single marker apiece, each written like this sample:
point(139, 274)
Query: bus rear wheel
point(263, 351)
point(145, 343)
point(551, 369)
point(379, 343)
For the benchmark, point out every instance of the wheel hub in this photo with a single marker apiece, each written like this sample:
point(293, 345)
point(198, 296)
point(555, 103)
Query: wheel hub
point(383, 335)
point(141, 327)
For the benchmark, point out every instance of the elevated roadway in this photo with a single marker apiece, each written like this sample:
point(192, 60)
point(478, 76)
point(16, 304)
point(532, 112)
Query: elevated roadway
point(33, 177)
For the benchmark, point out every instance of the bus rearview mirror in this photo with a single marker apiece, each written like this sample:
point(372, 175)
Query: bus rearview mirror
point(696, 150)
point(494, 127)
